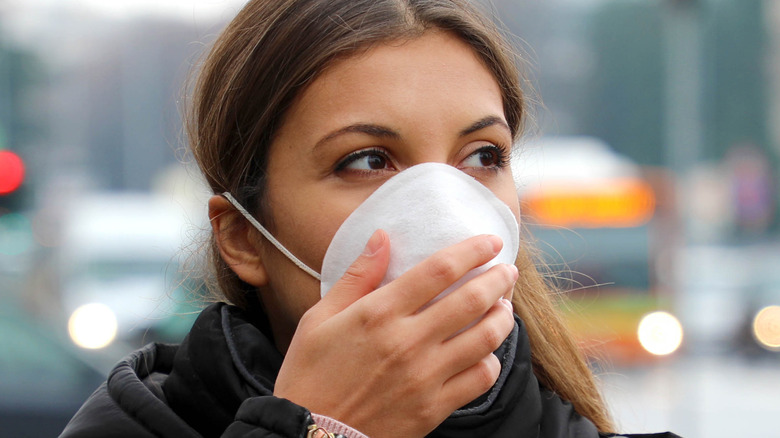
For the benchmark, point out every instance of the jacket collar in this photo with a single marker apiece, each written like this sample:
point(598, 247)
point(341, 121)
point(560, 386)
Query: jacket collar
point(226, 358)
point(229, 356)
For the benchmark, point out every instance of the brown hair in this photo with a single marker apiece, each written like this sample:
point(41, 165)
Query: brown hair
point(272, 50)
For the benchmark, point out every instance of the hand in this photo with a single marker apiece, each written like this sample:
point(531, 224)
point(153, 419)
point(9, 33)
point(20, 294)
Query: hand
point(371, 359)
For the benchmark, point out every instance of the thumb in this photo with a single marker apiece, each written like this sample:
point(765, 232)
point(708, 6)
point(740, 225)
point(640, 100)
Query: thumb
point(364, 275)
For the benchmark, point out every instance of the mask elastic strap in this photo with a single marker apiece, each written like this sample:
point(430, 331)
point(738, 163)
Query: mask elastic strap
point(271, 238)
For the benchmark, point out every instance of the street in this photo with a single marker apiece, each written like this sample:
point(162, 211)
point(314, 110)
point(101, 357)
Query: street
point(707, 396)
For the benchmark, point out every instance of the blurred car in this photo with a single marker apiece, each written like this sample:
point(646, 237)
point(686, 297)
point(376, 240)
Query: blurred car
point(760, 326)
point(119, 271)
point(732, 299)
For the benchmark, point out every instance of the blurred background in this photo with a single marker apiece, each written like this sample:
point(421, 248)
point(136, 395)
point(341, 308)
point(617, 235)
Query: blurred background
point(648, 177)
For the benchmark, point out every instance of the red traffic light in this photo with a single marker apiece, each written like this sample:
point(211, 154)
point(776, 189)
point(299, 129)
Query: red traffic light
point(11, 172)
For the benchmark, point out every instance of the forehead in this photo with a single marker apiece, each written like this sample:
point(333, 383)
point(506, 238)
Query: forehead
point(434, 69)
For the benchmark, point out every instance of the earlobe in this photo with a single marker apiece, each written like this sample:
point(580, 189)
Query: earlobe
point(236, 242)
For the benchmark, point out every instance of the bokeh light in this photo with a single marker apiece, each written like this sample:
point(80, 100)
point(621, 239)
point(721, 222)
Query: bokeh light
point(92, 326)
point(11, 172)
point(766, 328)
point(660, 333)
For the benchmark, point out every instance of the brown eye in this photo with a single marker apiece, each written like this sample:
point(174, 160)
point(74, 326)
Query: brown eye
point(376, 162)
point(365, 160)
point(486, 157)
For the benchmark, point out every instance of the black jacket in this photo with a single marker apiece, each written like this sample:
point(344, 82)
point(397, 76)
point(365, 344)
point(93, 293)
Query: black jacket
point(219, 383)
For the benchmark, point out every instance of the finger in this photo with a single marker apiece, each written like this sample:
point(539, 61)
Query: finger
point(433, 275)
point(470, 301)
point(485, 336)
point(472, 382)
point(363, 276)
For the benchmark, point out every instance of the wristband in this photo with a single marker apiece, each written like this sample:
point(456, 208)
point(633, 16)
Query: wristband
point(318, 432)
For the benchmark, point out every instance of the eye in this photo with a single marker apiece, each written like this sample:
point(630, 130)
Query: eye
point(489, 156)
point(365, 160)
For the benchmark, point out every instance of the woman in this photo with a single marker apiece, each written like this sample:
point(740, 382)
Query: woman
point(302, 110)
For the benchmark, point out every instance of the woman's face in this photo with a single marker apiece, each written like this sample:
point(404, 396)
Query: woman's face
point(360, 122)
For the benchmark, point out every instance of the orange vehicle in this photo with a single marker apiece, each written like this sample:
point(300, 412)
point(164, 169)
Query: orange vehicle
point(597, 222)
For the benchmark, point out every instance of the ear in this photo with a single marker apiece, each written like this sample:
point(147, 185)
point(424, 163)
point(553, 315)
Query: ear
point(236, 242)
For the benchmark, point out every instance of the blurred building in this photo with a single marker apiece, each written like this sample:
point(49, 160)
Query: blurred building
point(686, 84)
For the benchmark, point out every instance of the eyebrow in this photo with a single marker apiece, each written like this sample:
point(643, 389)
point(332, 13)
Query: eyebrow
point(384, 132)
point(361, 128)
point(484, 123)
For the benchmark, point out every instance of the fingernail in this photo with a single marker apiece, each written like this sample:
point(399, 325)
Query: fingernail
point(515, 272)
point(374, 243)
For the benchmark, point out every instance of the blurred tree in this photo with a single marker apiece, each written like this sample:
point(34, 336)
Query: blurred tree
point(626, 88)
point(604, 68)
point(735, 102)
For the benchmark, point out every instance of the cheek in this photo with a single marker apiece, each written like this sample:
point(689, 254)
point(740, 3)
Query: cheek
point(505, 191)
point(307, 218)
point(513, 203)
point(303, 228)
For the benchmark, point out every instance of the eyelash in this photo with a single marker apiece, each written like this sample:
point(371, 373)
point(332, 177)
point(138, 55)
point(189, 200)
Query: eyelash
point(354, 156)
point(502, 157)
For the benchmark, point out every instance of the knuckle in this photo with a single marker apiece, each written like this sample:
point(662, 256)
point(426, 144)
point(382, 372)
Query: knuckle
point(429, 411)
point(483, 249)
point(509, 272)
point(355, 273)
point(442, 268)
point(492, 337)
point(416, 379)
point(507, 324)
point(428, 414)
point(307, 318)
point(486, 373)
point(475, 298)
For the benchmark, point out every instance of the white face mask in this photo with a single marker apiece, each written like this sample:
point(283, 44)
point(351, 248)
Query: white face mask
point(423, 209)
